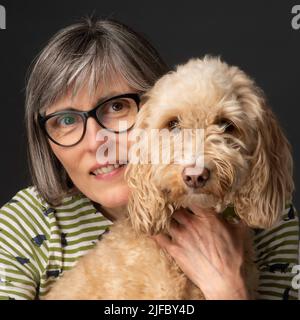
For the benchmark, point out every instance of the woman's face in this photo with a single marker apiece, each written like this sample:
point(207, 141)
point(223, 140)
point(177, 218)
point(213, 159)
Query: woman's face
point(108, 189)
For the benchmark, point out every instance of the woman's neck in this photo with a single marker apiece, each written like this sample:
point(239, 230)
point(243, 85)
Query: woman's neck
point(113, 214)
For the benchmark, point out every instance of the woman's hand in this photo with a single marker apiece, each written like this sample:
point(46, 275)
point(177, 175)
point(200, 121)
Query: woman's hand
point(209, 251)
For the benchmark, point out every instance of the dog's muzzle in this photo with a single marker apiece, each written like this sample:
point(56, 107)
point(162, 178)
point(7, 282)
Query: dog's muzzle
point(195, 180)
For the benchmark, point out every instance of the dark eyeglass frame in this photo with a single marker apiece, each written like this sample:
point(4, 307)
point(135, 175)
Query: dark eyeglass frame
point(87, 114)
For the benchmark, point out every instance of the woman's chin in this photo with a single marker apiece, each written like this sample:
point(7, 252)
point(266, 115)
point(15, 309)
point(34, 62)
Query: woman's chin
point(113, 197)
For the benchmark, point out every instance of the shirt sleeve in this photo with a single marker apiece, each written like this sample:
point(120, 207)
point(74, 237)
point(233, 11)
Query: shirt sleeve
point(277, 252)
point(23, 248)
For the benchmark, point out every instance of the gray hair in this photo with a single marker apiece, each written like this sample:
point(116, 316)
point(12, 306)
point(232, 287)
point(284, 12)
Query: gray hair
point(89, 52)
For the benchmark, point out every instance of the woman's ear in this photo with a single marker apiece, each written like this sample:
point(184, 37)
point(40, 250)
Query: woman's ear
point(261, 201)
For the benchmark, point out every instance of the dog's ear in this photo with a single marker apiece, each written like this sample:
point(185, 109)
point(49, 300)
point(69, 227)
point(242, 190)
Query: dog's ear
point(261, 200)
point(147, 206)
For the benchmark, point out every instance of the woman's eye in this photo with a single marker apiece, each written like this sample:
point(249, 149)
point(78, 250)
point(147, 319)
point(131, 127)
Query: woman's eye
point(117, 106)
point(66, 120)
point(173, 124)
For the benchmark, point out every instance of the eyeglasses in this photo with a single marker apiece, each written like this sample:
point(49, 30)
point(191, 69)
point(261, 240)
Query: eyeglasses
point(67, 128)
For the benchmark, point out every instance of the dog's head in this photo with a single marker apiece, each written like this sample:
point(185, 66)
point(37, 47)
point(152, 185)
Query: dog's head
point(247, 158)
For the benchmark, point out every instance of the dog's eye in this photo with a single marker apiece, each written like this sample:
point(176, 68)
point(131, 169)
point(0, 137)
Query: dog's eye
point(227, 125)
point(173, 124)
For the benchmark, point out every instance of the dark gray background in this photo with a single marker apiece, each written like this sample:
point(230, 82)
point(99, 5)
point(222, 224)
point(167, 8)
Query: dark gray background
point(255, 35)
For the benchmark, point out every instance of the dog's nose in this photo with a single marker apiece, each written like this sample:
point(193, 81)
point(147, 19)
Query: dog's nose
point(196, 180)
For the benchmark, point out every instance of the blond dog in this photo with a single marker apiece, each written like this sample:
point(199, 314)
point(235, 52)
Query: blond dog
point(247, 165)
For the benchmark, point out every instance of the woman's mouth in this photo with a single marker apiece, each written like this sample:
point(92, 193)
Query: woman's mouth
point(107, 171)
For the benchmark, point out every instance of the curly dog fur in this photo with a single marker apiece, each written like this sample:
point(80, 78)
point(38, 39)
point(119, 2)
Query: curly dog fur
point(250, 165)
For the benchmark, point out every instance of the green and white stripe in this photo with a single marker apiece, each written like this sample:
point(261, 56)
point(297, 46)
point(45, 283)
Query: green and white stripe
point(279, 248)
point(36, 248)
point(64, 236)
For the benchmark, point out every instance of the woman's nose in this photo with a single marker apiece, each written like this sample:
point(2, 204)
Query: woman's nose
point(91, 133)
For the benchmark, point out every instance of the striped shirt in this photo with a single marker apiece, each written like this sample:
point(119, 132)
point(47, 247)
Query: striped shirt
point(38, 243)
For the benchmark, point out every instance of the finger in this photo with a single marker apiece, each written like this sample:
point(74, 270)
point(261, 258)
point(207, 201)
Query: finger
point(238, 226)
point(181, 216)
point(175, 229)
point(201, 212)
point(241, 230)
point(162, 240)
point(236, 234)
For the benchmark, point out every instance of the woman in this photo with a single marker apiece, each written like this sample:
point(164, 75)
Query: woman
point(47, 227)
